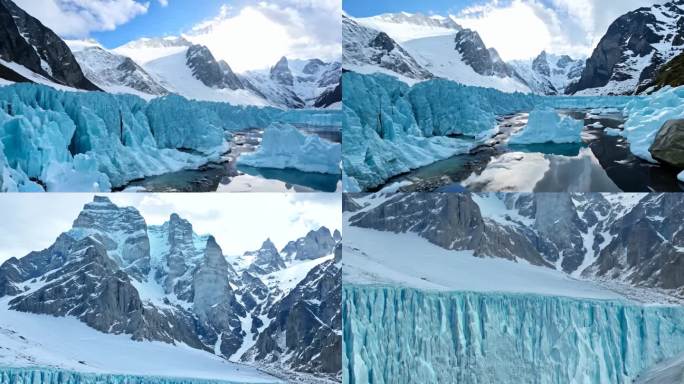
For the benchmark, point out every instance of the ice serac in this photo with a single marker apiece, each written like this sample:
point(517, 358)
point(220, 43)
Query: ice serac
point(28, 43)
point(316, 243)
point(391, 128)
point(545, 125)
point(402, 335)
point(284, 146)
point(58, 376)
point(76, 141)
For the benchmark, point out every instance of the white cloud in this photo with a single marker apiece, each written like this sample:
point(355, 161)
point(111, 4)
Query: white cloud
point(77, 18)
point(240, 222)
point(259, 34)
point(520, 29)
point(164, 3)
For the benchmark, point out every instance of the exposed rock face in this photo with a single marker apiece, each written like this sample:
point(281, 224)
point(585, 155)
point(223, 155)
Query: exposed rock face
point(91, 287)
point(315, 244)
point(107, 69)
point(630, 238)
point(634, 47)
point(366, 46)
point(451, 221)
point(214, 300)
point(295, 336)
point(26, 41)
point(178, 258)
point(671, 74)
point(668, 146)
point(266, 259)
point(15, 271)
point(122, 232)
point(329, 97)
point(484, 61)
point(190, 293)
point(281, 73)
point(212, 73)
point(541, 65)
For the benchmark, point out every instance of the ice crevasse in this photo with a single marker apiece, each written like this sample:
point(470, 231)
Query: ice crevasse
point(402, 335)
point(54, 376)
point(284, 146)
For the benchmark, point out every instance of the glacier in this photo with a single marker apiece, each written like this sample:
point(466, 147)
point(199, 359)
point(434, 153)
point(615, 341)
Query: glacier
point(284, 146)
point(390, 127)
point(545, 125)
point(645, 117)
point(399, 335)
point(92, 141)
point(55, 376)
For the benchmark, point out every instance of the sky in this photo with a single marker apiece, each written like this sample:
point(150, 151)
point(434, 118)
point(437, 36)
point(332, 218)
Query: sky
point(239, 221)
point(248, 34)
point(519, 29)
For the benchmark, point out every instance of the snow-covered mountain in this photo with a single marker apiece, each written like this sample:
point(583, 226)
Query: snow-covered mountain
point(298, 83)
point(636, 44)
point(634, 240)
point(404, 26)
point(190, 70)
point(114, 73)
point(419, 47)
point(366, 50)
point(549, 74)
point(31, 52)
point(168, 284)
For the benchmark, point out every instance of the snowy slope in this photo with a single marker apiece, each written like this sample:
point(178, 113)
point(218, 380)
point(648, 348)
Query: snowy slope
point(548, 73)
point(406, 26)
point(30, 340)
point(112, 72)
point(438, 55)
point(174, 74)
point(375, 257)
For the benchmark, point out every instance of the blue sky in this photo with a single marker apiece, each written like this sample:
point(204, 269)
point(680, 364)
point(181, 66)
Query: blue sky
point(364, 8)
point(177, 17)
point(518, 29)
point(248, 34)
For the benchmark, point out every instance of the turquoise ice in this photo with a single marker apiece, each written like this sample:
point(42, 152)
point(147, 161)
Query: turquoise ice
point(403, 335)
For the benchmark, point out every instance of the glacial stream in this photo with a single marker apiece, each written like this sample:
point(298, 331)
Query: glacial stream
point(226, 175)
point(601, 163)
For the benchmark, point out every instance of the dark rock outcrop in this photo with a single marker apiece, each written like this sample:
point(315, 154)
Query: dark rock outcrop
point(26, 41)
point(629, 39)
point(315, 244)
point(668, 146)
point(215, 74)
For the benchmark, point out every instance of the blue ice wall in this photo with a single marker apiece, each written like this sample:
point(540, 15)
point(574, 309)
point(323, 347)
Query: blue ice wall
point(403, 335)
point(390, 127)
point(53, 376)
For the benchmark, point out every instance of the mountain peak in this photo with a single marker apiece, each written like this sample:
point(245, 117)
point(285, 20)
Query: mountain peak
point(102, 199)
